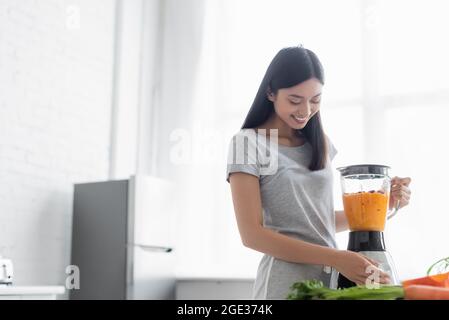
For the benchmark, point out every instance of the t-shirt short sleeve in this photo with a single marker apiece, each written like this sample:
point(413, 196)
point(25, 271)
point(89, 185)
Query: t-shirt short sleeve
point(242, 154)
point(332, 150)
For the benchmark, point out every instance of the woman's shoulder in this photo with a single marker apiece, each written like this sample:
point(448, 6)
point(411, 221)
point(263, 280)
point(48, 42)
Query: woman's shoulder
point(247, 134)
point(244, 138)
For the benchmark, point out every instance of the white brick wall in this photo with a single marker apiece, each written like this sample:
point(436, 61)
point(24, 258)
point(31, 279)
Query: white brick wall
point(55, 110)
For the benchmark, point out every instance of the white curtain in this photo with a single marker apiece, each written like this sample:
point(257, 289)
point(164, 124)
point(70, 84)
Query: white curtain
point(202, 106)
point(215, 53)
point(190, 133)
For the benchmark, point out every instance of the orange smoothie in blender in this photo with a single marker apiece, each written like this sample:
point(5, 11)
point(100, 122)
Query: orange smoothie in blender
point(366, 211)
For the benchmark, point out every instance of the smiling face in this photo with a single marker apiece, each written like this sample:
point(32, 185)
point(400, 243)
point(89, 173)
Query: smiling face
point(296, 105)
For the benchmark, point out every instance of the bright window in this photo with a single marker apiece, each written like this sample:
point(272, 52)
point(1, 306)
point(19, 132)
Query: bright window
point(384, 58)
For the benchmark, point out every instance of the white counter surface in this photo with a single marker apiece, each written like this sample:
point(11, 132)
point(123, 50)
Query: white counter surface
point(30, 290)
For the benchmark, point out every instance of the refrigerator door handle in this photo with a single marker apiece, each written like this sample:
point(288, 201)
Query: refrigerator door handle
point(153, 248)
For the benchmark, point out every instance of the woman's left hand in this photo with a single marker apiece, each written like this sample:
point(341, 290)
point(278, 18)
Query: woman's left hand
point(399, 192)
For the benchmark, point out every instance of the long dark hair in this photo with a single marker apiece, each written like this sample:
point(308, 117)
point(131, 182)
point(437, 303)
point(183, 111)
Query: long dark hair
point(290, 67)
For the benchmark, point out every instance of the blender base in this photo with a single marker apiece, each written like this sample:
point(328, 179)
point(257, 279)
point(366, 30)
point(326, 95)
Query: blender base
point(372, 245)
point(344, 282)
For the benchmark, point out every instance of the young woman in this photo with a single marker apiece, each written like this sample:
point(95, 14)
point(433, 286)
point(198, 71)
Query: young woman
point(288, 213)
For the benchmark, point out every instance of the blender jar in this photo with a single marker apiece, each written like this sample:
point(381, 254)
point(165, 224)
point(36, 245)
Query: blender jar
point(366, 192)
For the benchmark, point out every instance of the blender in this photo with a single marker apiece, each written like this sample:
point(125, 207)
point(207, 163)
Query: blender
point(366, 195)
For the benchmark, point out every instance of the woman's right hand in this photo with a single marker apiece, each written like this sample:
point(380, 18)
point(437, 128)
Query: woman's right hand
point(358, 268)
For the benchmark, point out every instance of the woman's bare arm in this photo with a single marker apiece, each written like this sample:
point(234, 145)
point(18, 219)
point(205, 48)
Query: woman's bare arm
point(248, 209)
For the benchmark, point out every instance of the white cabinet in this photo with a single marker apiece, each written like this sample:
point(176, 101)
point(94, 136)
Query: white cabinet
point(214, 288)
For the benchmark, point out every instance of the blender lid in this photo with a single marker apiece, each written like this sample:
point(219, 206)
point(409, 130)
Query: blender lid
point(376, 169)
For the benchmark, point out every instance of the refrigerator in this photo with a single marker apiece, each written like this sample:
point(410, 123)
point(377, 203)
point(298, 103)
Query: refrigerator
point(122, 239)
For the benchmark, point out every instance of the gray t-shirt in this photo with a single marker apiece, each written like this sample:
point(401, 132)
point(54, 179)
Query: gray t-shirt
point(296, 202)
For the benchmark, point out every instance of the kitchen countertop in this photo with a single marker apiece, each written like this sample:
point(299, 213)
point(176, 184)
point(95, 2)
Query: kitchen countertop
point(30, 290)
point(190, 275)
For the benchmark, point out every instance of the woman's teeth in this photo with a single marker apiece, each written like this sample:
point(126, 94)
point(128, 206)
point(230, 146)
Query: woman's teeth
point(300, 119)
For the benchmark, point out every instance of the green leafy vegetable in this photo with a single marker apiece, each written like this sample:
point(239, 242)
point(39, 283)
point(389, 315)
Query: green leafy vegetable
point(315, 290)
